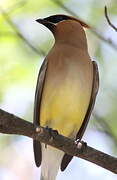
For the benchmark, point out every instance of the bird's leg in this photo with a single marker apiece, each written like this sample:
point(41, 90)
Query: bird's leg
point(81, 145)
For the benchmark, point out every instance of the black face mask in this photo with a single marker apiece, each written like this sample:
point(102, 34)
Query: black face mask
point(57, 18)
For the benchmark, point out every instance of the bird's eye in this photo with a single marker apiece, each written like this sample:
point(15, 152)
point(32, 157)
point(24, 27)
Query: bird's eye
point(60, 18)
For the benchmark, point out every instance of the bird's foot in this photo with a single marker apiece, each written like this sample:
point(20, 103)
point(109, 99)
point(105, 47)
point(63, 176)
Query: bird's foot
point(52, 133)
point(81, 145)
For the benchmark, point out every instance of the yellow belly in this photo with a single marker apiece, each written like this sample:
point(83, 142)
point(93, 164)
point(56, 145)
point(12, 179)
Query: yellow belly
point(65, 102)
point(64, 111)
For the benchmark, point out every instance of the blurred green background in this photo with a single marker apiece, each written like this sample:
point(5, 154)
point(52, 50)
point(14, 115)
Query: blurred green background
point(23, 45)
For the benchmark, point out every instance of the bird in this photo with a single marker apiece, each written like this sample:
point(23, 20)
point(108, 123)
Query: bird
point(66, 90)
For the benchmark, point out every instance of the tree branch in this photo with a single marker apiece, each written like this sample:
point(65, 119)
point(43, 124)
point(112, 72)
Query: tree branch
point(108, 20)
point(11, 124)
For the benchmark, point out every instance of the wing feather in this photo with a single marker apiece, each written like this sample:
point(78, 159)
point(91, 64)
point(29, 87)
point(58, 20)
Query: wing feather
point(36, 116)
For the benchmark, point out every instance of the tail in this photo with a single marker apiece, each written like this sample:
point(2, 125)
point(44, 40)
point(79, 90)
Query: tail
point(51, 160)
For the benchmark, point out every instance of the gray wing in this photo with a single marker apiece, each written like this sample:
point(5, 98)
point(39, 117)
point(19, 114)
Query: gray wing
point(67, 158)
point(36, 120)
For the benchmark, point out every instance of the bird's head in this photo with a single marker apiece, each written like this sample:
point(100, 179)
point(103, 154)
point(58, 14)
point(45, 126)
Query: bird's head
point(65, 28)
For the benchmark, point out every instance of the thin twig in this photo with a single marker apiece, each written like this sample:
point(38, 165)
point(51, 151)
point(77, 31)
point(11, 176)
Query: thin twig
point(108, 20)
point(10, 124)
point(94, 31)
point(38, 51)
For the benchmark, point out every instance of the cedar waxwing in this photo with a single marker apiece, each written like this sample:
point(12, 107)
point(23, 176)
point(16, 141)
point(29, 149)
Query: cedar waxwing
point(66, 89)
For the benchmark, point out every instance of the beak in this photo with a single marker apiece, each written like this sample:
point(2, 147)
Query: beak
point(41, 21)
point(46, 23)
